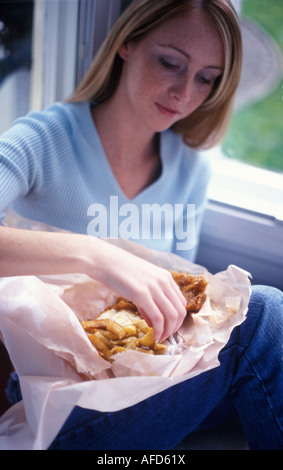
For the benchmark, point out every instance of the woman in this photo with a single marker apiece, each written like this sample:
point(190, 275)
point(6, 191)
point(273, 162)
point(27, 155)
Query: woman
point(161, 87)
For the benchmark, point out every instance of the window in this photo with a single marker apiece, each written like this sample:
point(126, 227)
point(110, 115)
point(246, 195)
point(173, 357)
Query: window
point(243, 223)
point(56, 24)
point(96, 18)
point(256, 131)
point(255, 136)
point(16, 31)
point(70, 33)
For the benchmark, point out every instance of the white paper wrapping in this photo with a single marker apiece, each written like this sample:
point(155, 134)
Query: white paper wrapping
point(59, 368)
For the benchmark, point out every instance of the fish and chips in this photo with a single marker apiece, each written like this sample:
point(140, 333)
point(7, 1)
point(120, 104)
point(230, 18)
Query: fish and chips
point(120, 326)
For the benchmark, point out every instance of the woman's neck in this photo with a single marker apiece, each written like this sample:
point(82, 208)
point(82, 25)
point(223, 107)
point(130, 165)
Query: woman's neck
point(132, 152)
point(124, 143)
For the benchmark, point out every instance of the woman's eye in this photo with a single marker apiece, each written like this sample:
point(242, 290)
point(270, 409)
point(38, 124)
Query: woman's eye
point(168, 64)
point(205, 80)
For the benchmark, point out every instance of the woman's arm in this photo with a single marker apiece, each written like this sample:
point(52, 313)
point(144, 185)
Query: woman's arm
point(152, 289)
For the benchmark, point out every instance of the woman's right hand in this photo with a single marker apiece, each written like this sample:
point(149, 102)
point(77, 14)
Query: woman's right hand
point(151, 288)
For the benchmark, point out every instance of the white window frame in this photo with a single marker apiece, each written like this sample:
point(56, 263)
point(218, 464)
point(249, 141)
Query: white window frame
point(243, 222)
point(54, 51)
point(96, 18)
point(248, 233)
point(252, 241)
point(68, 34)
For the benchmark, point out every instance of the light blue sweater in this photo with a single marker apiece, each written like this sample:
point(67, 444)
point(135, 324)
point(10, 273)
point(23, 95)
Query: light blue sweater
point(53, 169)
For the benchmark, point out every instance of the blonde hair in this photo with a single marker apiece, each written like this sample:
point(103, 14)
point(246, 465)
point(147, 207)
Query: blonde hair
point(207, 125)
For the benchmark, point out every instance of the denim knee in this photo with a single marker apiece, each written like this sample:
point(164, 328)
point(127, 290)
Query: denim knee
point(265, 296)
point(264, 321)
point(267, 301)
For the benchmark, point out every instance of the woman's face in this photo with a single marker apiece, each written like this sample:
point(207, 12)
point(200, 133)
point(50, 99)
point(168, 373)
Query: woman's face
point(171, 71)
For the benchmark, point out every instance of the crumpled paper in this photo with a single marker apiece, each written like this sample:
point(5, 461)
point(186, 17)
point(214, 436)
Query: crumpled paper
point(59, 368)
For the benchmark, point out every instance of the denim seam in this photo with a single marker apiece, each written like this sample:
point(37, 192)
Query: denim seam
point(78, 428)
point(265, 391)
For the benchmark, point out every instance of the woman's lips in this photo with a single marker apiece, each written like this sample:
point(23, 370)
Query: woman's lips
point(167, 111)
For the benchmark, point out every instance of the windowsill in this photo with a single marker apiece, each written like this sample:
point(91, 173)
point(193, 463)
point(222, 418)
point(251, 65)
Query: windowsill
point(246, 187)
point(243, 222)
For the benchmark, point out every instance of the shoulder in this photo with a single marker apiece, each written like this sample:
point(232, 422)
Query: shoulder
point(66, 115)
point(53, 132)
point(55, 117)
point(64, 111)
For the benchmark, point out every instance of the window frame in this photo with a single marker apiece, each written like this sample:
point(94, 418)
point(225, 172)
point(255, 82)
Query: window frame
point(104, 13)
point(54, 51)
point(250, 240)
point(248, 231)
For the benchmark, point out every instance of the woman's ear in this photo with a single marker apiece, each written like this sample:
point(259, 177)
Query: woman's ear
point(123, 51)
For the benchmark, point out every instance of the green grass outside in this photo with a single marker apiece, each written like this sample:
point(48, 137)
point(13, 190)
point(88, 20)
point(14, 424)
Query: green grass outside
point(255, 135)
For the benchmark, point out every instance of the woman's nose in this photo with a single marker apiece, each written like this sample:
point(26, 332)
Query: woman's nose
point(182, 90)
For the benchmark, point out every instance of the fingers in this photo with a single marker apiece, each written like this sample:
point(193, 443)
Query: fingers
point(172, 306)
point(164, 318)
point(173, 318)
point(164, 309)
point(155, 320)
point(151, 288)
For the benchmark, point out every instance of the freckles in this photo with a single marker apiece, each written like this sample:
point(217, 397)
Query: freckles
point(140, 80)
point(148, 87)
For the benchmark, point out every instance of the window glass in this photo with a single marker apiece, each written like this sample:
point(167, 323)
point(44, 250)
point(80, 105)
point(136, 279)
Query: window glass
point(16, 19)
point(256, 131)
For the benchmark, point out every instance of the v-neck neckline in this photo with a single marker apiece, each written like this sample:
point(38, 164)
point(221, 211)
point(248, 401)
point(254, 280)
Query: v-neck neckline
point(110, 174)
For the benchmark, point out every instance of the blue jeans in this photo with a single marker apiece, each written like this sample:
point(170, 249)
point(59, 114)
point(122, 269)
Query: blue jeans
point(248, 380)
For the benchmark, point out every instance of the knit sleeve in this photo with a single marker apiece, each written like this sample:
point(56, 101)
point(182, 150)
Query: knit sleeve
point(29, 156)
